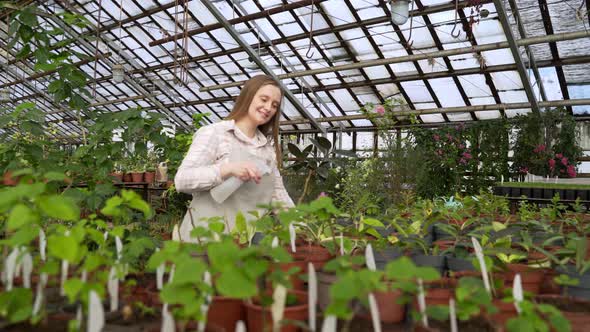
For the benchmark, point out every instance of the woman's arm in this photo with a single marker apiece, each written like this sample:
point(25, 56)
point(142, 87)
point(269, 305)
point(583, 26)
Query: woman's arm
point(200, 169)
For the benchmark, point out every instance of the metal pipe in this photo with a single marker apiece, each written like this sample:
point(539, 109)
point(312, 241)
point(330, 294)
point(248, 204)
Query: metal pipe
point(522, 71)
point(459, 109)
point(250, 51)
point(245, 18)
point(531, 56)
point(49, 72)
point(458, 51)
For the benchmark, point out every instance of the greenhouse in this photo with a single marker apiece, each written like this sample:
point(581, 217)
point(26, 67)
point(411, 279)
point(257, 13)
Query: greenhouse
point(301, 165)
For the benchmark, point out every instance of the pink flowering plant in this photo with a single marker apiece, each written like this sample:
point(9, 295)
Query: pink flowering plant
point(546, 144)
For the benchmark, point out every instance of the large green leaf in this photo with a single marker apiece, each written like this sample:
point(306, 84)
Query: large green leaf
point(20, 216)
point(233, 283)
point(321, 143)
point(295, 150)
point(63, 247)
point(60, 207)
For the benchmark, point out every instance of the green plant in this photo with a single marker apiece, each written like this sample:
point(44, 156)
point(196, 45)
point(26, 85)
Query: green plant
point(535, 317)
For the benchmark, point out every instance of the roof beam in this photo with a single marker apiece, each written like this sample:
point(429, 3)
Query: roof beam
point(423, 56)
point(245, 18)
point(522, 71)
point(238, 38)
point(349, 85)
point(554, 52)
point(460, 109)
point(531, 56)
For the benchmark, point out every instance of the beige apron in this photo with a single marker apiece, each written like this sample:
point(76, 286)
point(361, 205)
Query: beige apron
point(244, 199)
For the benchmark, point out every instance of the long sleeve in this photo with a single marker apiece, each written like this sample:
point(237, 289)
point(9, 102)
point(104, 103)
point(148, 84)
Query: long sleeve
point(200, 170)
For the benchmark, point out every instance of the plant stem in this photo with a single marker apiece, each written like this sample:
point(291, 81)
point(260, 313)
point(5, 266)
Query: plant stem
point(305, 186)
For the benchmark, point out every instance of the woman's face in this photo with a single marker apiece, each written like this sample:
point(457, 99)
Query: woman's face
point(265, 104)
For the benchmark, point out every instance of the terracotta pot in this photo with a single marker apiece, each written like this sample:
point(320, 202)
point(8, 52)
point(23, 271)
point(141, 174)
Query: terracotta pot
point(317, 255)
point(548, 285)
point(225, 312)
point(296, 281)
point(137, 177)
point(9, 180)
point(298, 312)
point(127, 177)
point(444, 244)
point(575, 310)
point(149, 177)
point(504, 313)
point(390, 310)
point(531, 277)
point(117, 176)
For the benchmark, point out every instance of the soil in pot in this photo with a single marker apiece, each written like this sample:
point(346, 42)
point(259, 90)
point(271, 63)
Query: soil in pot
point(260, 319)
point(577, 311)
point(225, 312)
point(479, 324)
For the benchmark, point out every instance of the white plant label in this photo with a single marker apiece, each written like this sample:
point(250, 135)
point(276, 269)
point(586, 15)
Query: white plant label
point(27, 265)
point(313, 295)
point(171, 275)
point(10, 267)
point(278, 306)
point(205, 306)
point(64, 276)
point(38, 298)
point(517, 292)
point(119, 246)
point(374, 313)
point(42, 244)
point(329, 324)
point(160, 274)
point(482, 264)
point(341, 245)
point(105, 235)
point(555, 179)
point(370, 258)
point(240, 326)
point(275, 242)
point(422, 302)
point(292, 237)
point(175, 234)
point(453, 315)
point(95, 313)
point(113, 288)
point(502, 179)
point(79, 316)
point(168, 324)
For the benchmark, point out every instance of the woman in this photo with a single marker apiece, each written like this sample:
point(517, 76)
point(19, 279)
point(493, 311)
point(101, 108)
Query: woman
point(233, 147)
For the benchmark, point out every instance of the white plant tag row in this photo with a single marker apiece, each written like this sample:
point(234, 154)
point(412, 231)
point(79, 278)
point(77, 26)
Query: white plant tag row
point(278, 306)
point(119, 246)
point(205, 306)
point(453, 315)
point(422, 302)
point(517, 293)
point(95, 313)
point(168, 324)
point(175, 234)
point(313, 295)
point(113, 288)
point(240, 326)
point(160, 274)
point(10, 268)
point(27, 269)
point(330, 323)
point(370, 258)
point(42, 244)
point(374, 313)
point(39, 294)
point(482, 264)
point(292, 237)
point(341, 245)
point(275, 242)
point(64, 275)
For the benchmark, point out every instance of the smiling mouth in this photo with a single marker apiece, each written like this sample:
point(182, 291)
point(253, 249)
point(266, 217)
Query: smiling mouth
point(264, 114)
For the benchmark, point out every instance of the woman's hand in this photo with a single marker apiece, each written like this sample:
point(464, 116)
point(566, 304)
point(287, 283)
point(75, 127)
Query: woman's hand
point(243, 170)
